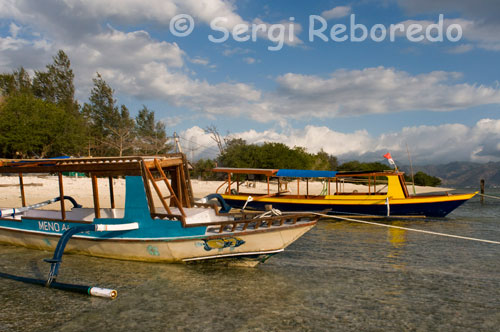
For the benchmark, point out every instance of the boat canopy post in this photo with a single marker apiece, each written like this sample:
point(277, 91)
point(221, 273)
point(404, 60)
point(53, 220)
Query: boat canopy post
point(228, 191)
point(329, 186)
point(179, 193)
point(21, 186)
point(95, 192)
point(111, 192)
point(61, 194)
point(238, 184)
point(298, 186)
point(307, 187)
point(268, 191)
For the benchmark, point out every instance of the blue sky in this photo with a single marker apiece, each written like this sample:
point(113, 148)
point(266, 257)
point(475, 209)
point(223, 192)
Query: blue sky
point(355, 100)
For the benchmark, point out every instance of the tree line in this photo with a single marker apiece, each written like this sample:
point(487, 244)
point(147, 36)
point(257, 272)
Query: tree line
point(238, 153)
point(40, 118)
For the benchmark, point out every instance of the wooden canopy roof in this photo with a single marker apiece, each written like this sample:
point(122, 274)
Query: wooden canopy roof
point(109, 166)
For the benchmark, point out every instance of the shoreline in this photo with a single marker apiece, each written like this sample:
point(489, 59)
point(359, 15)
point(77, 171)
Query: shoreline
point(40, 188)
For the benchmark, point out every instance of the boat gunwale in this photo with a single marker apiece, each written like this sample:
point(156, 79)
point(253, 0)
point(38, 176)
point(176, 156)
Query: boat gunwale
point(172, 239)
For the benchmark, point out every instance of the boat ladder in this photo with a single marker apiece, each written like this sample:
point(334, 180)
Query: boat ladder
point(163, 177)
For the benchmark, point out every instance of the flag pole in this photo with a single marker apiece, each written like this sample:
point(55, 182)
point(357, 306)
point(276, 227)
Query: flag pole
point(411, 170)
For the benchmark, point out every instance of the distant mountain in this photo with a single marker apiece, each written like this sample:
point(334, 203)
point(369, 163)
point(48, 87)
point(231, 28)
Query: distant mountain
point(462, 174)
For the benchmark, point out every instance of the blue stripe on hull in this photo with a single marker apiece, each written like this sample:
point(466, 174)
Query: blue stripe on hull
point(436, 209)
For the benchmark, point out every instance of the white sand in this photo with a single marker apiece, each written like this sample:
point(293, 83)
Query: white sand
point(40, 188)
point(203, 188)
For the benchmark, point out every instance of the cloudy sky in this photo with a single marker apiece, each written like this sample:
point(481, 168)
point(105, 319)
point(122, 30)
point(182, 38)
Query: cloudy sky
point(425, 74)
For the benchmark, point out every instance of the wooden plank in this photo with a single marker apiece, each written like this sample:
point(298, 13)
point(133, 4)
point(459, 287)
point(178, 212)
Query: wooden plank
point(188, 180)
point(165, 179)
point(179, 192)
point(158, 191)
point(267, 172)
point(184, 187)
point(118, 168)
point(149, 195)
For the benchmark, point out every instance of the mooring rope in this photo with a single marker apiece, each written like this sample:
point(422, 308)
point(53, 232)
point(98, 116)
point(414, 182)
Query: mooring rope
point(489, 196)
point(405, 228)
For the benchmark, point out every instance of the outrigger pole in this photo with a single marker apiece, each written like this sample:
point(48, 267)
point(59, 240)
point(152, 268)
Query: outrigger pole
point(13, 212)
point(56, 260)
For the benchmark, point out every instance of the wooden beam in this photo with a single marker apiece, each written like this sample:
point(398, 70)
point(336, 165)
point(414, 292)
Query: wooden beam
point(111, 192)
point(21, 185)
point(95, 192)
point(61, 196)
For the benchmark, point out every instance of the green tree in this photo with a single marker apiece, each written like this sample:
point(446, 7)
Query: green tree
point(268, 155)
point(238, 154)
point(121, 133)
point(423, 179)
point(19, 82)
point(41, 129)
point(151, 134)
point(363, 167)
point(203, 169)
point(325, 162)
point(56, 84)
point(110, 130)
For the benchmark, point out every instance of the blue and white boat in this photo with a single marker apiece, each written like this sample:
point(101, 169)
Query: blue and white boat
point(178, 229)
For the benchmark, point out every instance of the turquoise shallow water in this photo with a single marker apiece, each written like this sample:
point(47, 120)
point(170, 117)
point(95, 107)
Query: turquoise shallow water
point(340, 276)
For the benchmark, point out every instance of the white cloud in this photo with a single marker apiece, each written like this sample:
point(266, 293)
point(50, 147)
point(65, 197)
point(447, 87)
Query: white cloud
point(428, 144)
point(480, 23)
point(336, 12)
point(460, 49)
point(249, 60)
point(486, 10)
point(375, 91)
point(14, 29)
point(235, 50)
point(133, 63)
point(73, 19)
point(200, 61)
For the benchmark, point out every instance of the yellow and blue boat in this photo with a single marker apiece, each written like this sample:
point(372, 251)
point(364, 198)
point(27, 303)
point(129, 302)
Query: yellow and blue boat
point(383, 193)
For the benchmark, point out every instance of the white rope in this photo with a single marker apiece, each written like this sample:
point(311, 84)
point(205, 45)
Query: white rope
point(405, 228)
point(489, 196)
point(249, 199)
point(270, 213)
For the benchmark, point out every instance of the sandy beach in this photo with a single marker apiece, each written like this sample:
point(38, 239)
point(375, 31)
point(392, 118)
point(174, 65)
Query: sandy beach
point(40, 188)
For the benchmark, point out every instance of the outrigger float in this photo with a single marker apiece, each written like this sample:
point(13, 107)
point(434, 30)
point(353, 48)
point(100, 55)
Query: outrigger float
point(156, 228)
point(377, 194)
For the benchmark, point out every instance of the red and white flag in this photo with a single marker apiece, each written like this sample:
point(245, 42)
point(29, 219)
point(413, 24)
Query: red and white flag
point(389, 159)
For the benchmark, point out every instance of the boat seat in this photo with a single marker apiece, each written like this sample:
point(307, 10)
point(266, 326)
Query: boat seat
point(197, 215)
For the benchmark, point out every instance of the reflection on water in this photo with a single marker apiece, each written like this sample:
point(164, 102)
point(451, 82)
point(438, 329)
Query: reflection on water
point(397, 237)
point(339, 277)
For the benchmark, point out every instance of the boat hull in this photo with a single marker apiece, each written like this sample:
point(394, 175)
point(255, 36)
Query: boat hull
point(429, 206)
point(251, 247)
